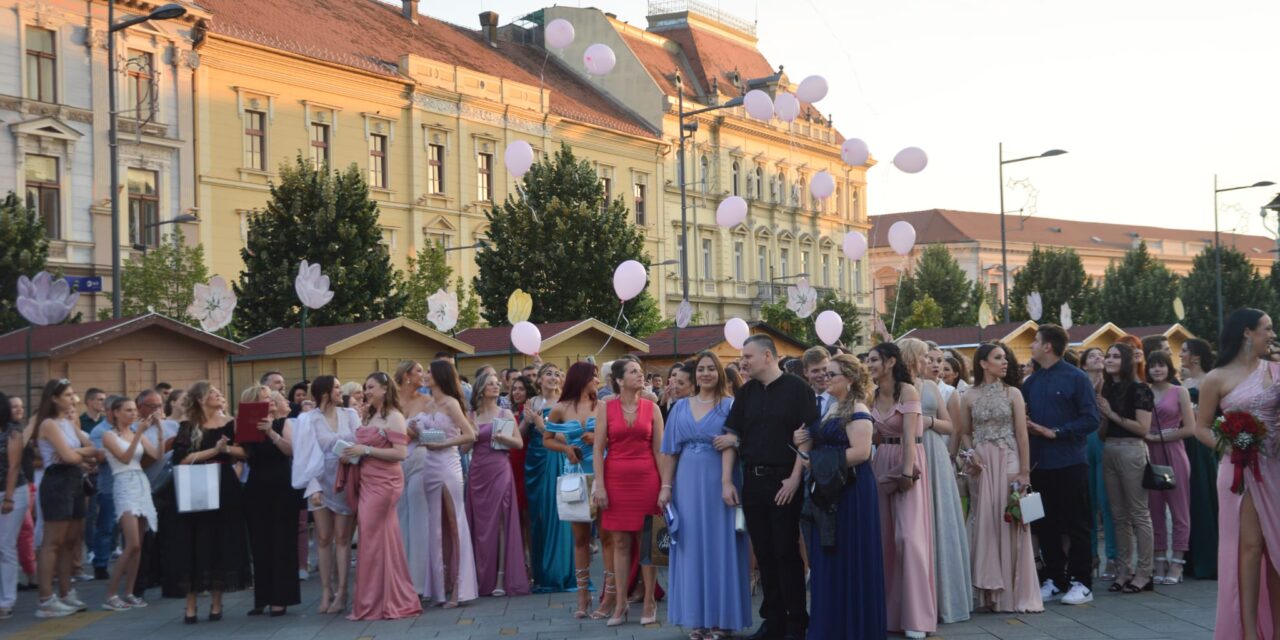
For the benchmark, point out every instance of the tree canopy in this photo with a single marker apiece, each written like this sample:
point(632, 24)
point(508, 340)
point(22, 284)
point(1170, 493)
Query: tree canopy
point(1138, 291)
point(1059, 275)
point(1242, 286)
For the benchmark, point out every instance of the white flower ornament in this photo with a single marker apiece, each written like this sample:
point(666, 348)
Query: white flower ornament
point(802, 299)
point(442, 309)
point(312, 286)
point(212, 304)
point(1035, 306)
point(684, 314)
point(1065, 316)
point(45, 301)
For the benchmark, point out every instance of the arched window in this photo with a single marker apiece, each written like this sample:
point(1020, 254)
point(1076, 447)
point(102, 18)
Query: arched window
point(735, 177)
point(705, 176)
point(779, 188)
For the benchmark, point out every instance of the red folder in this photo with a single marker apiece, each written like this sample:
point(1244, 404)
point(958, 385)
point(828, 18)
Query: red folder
point(248, 415)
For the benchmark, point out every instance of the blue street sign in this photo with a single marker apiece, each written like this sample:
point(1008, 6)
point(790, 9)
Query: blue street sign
point(85, 284)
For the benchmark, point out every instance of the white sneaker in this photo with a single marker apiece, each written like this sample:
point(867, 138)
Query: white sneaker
point(1079, 594)
point(303, 575)
point(53, 608)
point(1049, 591)
point(915, 635)
point(71, 600)
point(135, 602)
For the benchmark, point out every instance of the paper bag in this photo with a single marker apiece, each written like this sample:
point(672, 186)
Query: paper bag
point(197, 487)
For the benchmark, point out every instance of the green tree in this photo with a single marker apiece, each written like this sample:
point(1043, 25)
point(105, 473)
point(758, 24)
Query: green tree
point(328, 219)
point(23, 252)
point(1137, 292)
point(937, 275)
point(925, 314)
point(426, 274)
point(778, 316)
point(1242, 286)
point(163, 280)
point(468, 306)
point(1058, 274)
point(560, 242)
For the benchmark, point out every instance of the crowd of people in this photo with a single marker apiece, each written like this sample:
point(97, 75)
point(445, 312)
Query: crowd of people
point(860, 494)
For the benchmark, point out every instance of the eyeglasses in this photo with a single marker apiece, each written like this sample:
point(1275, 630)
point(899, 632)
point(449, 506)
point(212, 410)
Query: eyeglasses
point(832, 374)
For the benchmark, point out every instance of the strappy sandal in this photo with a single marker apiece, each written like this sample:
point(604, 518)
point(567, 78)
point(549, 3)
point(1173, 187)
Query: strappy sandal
point(1129, 587)
point(700, 634)
point(609, 601)
point(584, 582)
point(720, 634)
point(1180, 565)
point(1118, 586)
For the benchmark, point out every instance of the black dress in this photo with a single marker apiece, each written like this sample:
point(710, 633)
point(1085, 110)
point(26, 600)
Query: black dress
point(206, 550)
point(271, 506)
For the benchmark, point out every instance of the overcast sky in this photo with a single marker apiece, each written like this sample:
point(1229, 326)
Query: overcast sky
point(1149, 98)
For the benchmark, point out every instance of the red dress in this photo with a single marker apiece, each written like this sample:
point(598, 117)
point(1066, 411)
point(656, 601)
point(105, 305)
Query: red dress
point(516, 457)
point(630, 470)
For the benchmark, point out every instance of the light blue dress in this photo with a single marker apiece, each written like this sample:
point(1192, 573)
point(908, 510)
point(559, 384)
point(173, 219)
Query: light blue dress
point(572, 431)
point(709, 571)
point(551, 544)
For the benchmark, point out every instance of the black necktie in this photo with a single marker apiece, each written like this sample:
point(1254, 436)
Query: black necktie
point(819, 399)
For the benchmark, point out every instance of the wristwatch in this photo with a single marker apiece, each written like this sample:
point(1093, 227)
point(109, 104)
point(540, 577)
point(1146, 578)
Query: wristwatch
point(367, 450)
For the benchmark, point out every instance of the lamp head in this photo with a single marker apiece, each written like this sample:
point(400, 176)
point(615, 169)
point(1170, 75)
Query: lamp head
point(168, 12)
point(1053, 152)
point(184, 218)
point(1274, 205)
point(1263, 183)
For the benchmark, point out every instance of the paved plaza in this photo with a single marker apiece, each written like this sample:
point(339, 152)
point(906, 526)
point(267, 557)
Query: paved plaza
point(1181, 612)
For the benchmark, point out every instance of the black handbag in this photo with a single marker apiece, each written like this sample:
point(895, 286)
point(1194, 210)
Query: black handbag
point(1156, 477)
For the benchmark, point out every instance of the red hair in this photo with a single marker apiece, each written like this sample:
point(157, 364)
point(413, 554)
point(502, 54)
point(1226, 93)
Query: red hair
point(1139, 368)
point(575, 383)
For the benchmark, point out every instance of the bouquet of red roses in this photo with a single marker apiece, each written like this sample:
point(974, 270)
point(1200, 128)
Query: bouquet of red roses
point(1240, 433)
point(1013, 507)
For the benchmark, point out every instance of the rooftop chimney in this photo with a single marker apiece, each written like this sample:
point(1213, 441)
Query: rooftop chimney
point(409, 9)
point(489, 26)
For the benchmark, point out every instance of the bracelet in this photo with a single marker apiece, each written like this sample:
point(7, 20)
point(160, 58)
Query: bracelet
point(665, 486)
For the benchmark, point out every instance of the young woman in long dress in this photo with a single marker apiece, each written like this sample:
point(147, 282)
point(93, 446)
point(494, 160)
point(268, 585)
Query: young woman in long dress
point(1248, 522)
point(551, 548)
point(1197, 360)
point(375, 479)
point(1172, 421)
point(492, 511)
point(271, 505)
point(412, 510)
point(993, 416)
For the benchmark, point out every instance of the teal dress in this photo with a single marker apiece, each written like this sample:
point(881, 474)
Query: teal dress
point(573, 432)
point(551, 544)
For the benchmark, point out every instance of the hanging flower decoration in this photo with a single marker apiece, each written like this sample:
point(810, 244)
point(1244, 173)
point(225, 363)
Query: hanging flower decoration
point(684, 314)
point(519, 306)
point(1035, 306)
point(442, 309)
point(312, 286)
point(1065, 316)
point(985, 317)
point(802, 299)
point(212, 304)
point(45, 301)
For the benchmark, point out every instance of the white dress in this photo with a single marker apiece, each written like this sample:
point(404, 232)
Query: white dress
point(131, 488)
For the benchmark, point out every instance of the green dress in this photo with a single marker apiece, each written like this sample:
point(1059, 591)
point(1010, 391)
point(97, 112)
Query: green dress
point(1202, 559)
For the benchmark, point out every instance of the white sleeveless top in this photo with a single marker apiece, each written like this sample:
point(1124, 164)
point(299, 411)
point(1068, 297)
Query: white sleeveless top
point(134, 464)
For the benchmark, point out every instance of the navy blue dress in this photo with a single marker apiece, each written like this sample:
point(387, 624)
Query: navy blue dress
point(846, 592)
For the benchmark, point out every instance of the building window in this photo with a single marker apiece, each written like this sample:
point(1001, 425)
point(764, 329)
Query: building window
point(706, 259)
point(839, 209)
point(784, 256)
point(606, 192)
point(797, 192)
point(42, 65)
point(255, 140)
point(378, 160)
point(320, 144)
point(853, 203)
point(805, 264)
point(840, 270)
point(759, 182)
point(484, 177)
point(144, 208)
point(705, 179)
point(639, 205)
point(994, 288)
point(826, 270)
point(762, 261)
point(435, 168)
point(737, 261)
point(776, 188)
point(141, 84)
point(736, 171)
point(680, 251)
point(44, 194)
point(857, 276)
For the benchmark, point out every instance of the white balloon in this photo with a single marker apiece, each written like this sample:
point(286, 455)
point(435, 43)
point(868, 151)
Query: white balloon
point(855, 245)
point(731, 212)
point(911, 160)
point(829, 326)
point(854, 152)
point(786, 106)
point(736, 332)
point(519, 157)
point(812, 89)
point(526, 338)
point(822, 185)
point(758, 104)
point(629, 279)
point(902, 237)
point(599, 59)
point(559, 33)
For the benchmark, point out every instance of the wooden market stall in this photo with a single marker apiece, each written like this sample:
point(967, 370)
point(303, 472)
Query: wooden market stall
point(563, 343)
point(1018, 336)
point(1175, 333)
point(117, 356)
point(668, 345)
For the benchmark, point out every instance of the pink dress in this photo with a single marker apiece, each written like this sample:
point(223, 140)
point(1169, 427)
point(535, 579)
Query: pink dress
point(1166, 418)
point(383, 589)
point(1258, 394)
point(491, 507)
point(442, 480)
point(906, 529)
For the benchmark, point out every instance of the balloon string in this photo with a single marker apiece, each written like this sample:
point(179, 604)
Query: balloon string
point(621, 319)
point(893, 324)
point(520, 192)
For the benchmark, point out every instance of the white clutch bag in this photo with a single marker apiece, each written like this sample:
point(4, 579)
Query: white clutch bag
point(1032, 508)
point(502, 427)
point(431, 436)
point(739, 520)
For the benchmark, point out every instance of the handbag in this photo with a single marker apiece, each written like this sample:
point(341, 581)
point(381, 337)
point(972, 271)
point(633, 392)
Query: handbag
point(739, 520)
point(573, 497)
point(1157, 477)
point(198, 487)
point(1031, 506)
point(502, 427)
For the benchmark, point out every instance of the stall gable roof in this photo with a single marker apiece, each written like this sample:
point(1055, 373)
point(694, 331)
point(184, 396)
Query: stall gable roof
point(61, 340)
point(332, 339)
point(1165, 330)
point(970, 336)
point(498, 339)
point(1081, 334)
point(662, 344)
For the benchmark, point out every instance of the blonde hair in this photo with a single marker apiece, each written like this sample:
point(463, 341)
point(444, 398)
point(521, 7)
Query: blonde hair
point(859, 383)
point(912, 350)
point(402, 370)
point(350, 387)
point(253, 393)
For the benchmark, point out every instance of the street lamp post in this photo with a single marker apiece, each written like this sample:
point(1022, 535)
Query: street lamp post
point(1274, 205)
point(1217, 242)
point(186, 217)
point(780, 279)
point(166, 12)
point(1004, 247)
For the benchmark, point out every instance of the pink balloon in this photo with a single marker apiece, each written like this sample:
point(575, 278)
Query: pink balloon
point(731, 212)
point(911, 160)
point(559, 33)
point(822, 185)
point(829, 326)
point(758, 104)
point(854, 152)
point(812, 89)
point(599, 59)
point(902, 237)
point(855, 245)
point(787, 106)
point(736, 332)
point(519, 157)
point(629, 279)
point(526, 338)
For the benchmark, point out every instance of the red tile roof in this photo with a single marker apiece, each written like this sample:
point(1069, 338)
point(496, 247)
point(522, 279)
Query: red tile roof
point(960, 336)
point(713, 56)
point(371, 36)
point(948, 226)
point(65, 339)
point(701, 337)
point(498, 339)
point(288, 341)
point(662, 62)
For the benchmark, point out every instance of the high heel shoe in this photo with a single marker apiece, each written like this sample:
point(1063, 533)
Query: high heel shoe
point(1181, 566)
point(584, 584)
point(649, 619)
point(609, 601)
point(616, 621)
point(214, 616)
point(276, 613)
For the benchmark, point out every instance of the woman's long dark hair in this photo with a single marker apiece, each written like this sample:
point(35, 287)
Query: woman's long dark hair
point(322, 389)
point(1202, 351)
point(901, 375)
point(446, 379)
point(580, 374)
point(1232, 338)
point(47, 409)
point(1112, 388)
point(1012, 375)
